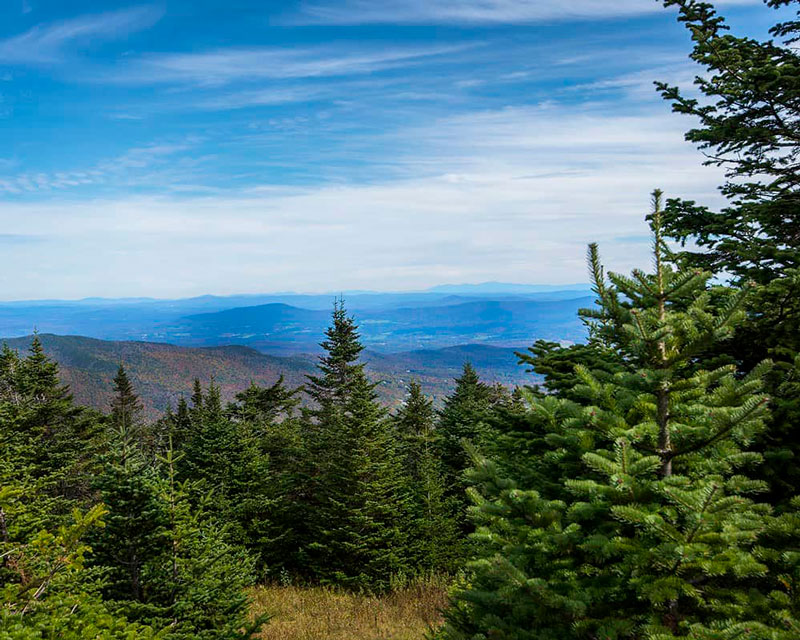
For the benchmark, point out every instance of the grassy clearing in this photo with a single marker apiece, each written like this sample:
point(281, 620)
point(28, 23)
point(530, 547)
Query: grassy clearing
point(323, 613)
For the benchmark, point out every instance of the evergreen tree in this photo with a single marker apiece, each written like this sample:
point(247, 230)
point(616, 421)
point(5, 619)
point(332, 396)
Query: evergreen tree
point(264, 406)
point(39, 377)
point(134, 525)
point(353, 479)
point(174, 428)
point(181, 426)
point(222, 455)
point(44, 590)
point(434, 536)
point(166, 556)
point(272, 515)
point(199, 577)
point(462, 418)
point(56, 438)
point(747, 114)
point(556, 364)
point(125, 406)
point(653, 533)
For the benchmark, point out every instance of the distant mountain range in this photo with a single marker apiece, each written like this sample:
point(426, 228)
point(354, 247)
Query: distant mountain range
point(294, 323)
point(165, 344)
point(162, 373)
point(280, 328)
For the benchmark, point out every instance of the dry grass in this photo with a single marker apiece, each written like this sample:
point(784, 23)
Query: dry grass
point(322, 613)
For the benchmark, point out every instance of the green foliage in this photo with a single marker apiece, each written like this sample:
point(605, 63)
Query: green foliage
point(134, 524)
point(635, 516)
point(747, 116)
point(199, 576)
point(48, 443)
point(353, 486)
point(462, 420)
point(125, 407)
point(45, 593)
point(434, 540)
point(557, 363)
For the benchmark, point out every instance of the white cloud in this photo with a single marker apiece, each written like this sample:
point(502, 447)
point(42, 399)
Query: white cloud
point(132, 167)
point(512, 195)
point(223, 66)
point(475, 11)
point(47, 43)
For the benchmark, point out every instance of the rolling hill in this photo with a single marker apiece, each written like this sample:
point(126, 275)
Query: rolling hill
point(162, 373)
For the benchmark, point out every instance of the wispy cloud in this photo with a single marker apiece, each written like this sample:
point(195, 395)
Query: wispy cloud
point(136, 166)
point(47, 43)
point(508, 194)
point(223, 66)
point(474, 11)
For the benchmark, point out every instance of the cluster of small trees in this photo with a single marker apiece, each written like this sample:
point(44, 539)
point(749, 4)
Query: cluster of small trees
point(112, 523)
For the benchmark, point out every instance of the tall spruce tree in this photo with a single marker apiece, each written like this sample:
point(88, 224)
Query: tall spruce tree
point(199, 577)
point(58, 438)
point(223, 455)
point(434, 538)
point(354, 495)
point(748, 117)
point(647, 526)
point(462, 418)
point(135, 518)
point(273, 514)
point(126, 408)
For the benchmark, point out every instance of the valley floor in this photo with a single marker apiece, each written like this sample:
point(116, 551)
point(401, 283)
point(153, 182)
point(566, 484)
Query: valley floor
point(317, 613)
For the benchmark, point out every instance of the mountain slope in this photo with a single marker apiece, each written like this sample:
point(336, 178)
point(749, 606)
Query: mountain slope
point(162, 373)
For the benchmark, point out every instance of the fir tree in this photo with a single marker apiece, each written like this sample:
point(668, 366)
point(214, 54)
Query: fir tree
point(353, 495)
point(134, 525)
point(45, 593)
point(747, 115)
point(434, 536)
point(199, 577)
point(58, 438)
point(462, 418)
point(264, 406)
point(229, 458)
point(39, 376)
point(126, 408)
point(272, 513)
point(556, 363)
point(654, 533)
point(181, 425)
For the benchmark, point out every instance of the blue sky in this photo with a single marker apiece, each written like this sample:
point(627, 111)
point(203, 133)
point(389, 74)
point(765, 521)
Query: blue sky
point(197, 146)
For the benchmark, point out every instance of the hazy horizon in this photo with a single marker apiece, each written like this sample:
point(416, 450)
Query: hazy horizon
point(493, 287)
